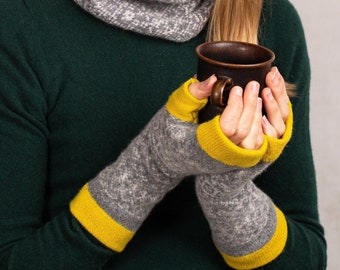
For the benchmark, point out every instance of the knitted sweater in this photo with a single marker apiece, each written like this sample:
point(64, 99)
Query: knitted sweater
point(75, 91)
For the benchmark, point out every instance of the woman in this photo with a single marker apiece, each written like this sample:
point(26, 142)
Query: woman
point(82, 109)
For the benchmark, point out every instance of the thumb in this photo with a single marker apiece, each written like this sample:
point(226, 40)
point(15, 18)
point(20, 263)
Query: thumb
point(202, 90)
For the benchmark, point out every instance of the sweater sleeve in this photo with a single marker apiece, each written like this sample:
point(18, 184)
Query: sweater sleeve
point(291, 182)
point(27, 239)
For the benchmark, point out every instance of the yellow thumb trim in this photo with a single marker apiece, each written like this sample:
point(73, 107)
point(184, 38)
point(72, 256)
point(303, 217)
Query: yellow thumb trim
point(184, 106)
point(214, 142)
point(268, 252)
point(276, 146)
point(97, 222)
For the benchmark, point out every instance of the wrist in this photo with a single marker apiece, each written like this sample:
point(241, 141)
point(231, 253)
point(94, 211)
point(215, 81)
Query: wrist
point(98, 222)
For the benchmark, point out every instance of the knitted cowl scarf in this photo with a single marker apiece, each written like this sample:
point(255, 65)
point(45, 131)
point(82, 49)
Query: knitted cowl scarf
point(175, 20)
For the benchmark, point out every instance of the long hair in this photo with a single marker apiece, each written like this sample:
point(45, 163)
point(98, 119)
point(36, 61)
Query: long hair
point(238, 20)
point(235, 20)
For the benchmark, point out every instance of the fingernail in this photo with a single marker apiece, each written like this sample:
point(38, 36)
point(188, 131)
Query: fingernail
point(265, 120)
point(206, 82)
point(259, 104)
point(275, 77)
point(269, 95)
point(239, 91)
point(255, 87)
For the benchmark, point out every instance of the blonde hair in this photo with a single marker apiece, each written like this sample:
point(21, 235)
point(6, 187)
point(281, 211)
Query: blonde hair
point(235, 20)
point(238, 20)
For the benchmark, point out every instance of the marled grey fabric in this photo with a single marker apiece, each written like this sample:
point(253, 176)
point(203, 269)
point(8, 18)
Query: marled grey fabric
point(175, 20)
point(242, 218)
point(154, 163)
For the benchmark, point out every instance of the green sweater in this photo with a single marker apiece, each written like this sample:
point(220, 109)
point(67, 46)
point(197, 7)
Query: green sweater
point(74, 91)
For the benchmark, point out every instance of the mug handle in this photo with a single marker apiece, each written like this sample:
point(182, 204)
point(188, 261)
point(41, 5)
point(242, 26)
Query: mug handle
point(220, 91)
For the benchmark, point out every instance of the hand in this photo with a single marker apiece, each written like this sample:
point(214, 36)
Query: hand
point(241, 120)
point(114, 204)
point(231, 200)
point(275, 100)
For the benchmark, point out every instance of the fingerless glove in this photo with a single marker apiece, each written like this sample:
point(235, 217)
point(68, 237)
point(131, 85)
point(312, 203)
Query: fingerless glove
point(113, 205)
point(247, 228)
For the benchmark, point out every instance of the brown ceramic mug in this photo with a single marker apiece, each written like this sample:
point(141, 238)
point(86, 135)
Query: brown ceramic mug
point(234, 63)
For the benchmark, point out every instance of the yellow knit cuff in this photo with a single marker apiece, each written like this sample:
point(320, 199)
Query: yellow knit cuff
point(97, 222)
point(214, 142)
point(182, 105)
point(276, 146)
point(267, 253)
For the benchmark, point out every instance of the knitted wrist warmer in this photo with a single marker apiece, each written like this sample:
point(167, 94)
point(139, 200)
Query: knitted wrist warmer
point(247, 228)
point(175, 20)
point(113, 205)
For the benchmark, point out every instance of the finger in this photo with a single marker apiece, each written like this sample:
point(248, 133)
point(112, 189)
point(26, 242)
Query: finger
point(268, 129)
point(250, 103)
point(231, 115)
point(274, 115)
point(254, 140)
point(202, 90)
point(260, 138)
point(276, 83)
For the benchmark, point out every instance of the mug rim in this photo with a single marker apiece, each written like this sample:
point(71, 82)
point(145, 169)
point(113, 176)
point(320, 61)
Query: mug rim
point(219, 63)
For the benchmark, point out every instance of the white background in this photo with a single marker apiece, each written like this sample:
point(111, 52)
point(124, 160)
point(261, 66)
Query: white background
point(321, 20)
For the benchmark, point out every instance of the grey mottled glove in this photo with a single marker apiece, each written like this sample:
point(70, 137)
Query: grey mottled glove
point(113, 205)
point(247, 228)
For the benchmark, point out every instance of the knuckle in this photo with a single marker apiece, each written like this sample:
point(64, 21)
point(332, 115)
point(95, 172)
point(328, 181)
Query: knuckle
point(229, 130)
point(281, 129)
point(242, 133)
point(285, 114)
